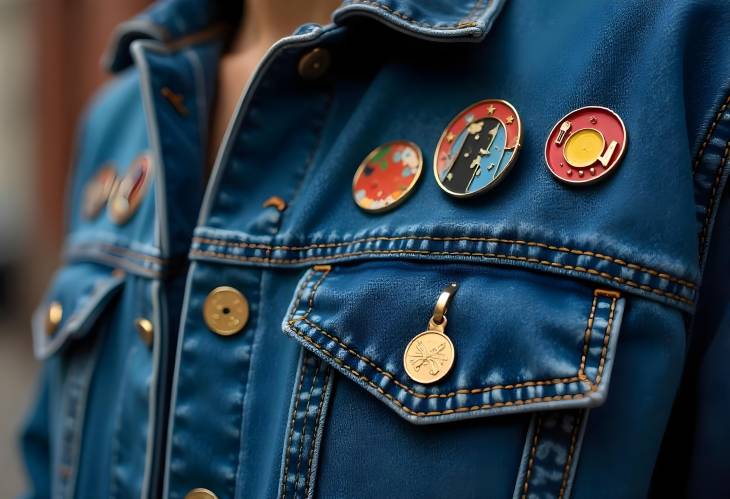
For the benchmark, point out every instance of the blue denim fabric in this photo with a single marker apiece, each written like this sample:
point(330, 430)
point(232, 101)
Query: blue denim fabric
point(590, 325)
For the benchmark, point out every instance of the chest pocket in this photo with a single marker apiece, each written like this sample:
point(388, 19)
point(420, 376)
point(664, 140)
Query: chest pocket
point(525, 343)
point(77, 297)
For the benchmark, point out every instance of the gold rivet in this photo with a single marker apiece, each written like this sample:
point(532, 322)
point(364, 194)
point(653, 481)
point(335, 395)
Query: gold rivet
point(176, 100)
point(145, 330)
point(314, 64)
point(276, 202)
point(55, 314)
point(225, 311)
point(118, 273)
point(200, 493)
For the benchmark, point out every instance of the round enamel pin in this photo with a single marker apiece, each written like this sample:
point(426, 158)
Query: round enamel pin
point(98, 190)
point(585, 145)
point(130, 190)
point(477, 148)
point(387, 176)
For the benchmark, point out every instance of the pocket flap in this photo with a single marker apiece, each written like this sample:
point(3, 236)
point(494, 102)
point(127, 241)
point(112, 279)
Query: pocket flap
point(523, 340)
point(77, 296)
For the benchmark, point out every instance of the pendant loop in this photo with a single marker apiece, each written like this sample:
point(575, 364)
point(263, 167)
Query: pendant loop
point(442, 304)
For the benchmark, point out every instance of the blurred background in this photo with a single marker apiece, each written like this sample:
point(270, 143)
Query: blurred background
point(49, 55)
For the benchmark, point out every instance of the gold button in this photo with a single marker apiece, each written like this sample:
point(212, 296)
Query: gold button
point(225, 310)
point(314, 64)
point(145, 330)
point(55, 314)
point(200, 494)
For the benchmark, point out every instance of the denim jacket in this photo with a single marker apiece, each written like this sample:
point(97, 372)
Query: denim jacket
point(590, 328)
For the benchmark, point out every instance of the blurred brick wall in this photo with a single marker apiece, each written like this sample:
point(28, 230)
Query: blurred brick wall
point(72, 35)
point(70, 38)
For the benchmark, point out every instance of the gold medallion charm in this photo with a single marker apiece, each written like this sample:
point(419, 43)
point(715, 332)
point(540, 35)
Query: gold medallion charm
point(430, 355)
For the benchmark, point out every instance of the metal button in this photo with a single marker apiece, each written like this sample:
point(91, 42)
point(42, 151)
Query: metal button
point(314, 64)
point(225, 311)
point(200, 494)
point(55, 314)
point(145, 330)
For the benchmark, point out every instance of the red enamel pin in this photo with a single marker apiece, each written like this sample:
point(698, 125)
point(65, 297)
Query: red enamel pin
point(585, 145)
point(387, 176)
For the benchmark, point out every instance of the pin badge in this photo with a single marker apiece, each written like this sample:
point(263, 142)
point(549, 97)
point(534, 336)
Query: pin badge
point(98, 190)
point(130, 190)
point(387, 176)
point(430, 355)
point(585, 145)
point(477, 148)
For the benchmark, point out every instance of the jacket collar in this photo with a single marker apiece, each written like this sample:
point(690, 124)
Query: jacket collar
point(168, 21)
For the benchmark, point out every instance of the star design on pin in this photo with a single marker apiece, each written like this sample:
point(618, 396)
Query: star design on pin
point(594, 120)
point(491, 109)
point(510, 119)
point(449, 137)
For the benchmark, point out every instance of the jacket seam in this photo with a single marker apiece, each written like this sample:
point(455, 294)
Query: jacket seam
point(318, 421)
point(711, 200)
point(533, 452)
point(520, 242)
point(708, 135)
point(303, 433)
point(292, 422)
point(577, 421)
point(549, 263)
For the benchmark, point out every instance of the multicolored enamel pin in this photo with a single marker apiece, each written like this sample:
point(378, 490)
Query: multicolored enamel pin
point(585, 145)
point(387, 176)
point(130, 190)
point(478, 147)
point(98, 190)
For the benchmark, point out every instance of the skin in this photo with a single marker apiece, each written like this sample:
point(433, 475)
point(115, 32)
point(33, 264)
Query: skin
point(264, 23)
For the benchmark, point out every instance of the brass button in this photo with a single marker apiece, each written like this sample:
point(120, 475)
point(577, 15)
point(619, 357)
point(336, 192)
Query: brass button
point(200, 494)
point(55, 314)
point(314, 64)
point(145, 330)
point(225, 311)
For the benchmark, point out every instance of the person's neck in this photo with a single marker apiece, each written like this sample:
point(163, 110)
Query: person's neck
point(266, 21)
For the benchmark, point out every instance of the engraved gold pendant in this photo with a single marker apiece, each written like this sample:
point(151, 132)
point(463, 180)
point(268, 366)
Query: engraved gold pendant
point(430, 355)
